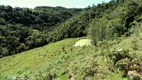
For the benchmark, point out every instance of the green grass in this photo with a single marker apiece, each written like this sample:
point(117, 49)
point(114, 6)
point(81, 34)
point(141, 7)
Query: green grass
point(62, 61)
point(26, 63)
point(35, 57)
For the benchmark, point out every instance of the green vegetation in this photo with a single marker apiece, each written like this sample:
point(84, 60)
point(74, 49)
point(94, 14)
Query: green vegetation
point(62, 61)
point(114, 31)
point(116, 20)
point(23, 28)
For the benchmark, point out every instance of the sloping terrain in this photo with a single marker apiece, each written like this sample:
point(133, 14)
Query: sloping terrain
point(34, 58)
point(114, 29)
point(63, 61)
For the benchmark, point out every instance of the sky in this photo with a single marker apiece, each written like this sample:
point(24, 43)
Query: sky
point(53, 3)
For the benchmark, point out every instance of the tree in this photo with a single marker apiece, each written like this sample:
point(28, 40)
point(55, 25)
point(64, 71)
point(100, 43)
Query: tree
point(4, 52)
point(97, 30)
point(2, 21)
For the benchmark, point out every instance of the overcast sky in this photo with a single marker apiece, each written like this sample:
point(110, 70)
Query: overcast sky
point(64, 3)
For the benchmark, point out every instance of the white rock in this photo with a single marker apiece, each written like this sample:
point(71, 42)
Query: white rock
point(83, 42)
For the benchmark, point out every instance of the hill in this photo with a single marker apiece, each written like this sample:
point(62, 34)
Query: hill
point(23, 28)
point(115, 29)
point(111, 60)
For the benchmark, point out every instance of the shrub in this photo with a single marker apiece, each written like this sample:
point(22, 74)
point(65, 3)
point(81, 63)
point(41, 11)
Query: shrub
point(118, 54)
point(104, 29)
point(97, 30)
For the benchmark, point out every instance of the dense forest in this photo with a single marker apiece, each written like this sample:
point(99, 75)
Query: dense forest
point(23, 28)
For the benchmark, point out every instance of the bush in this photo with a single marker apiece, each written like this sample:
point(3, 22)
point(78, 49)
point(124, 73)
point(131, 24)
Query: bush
point(118, 54)
point(104, 29)
point(4, 51)
point(97, 30)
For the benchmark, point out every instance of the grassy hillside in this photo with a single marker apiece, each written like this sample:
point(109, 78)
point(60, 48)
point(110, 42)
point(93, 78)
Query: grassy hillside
point(30, 61)
point(115, 29)
point(62, 61)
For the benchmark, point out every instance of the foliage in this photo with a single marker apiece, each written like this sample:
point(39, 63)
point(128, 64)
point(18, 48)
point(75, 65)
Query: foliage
point(116, 20)
point(61, 60)
point(23, 28)
point(114, 27)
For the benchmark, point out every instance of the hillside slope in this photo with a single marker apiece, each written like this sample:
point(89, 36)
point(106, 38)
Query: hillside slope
point(115, 29)
point(63, 61)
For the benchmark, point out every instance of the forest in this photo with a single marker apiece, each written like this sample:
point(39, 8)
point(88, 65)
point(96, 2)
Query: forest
point(47, 34)
point(23, 28)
